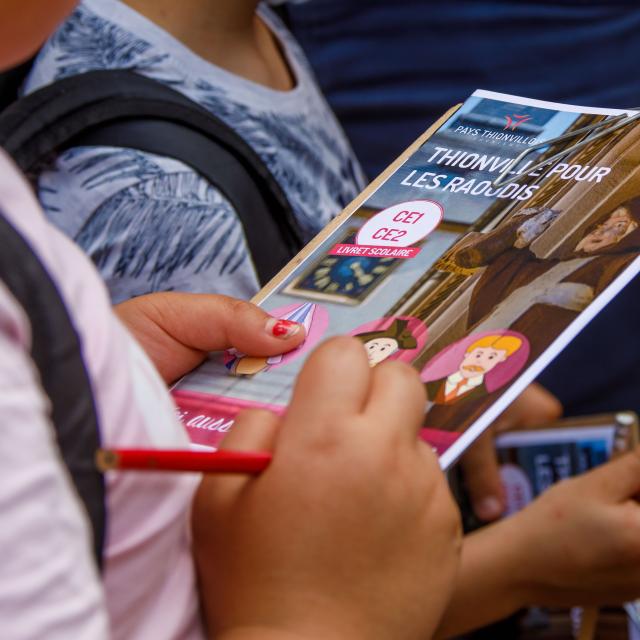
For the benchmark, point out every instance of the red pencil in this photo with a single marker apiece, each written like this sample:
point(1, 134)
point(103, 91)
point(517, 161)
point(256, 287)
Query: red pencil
point(252, 462)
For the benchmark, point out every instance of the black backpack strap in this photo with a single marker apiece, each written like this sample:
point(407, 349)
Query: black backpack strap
point(122, 108)
point(11, 80)
point(57, 354)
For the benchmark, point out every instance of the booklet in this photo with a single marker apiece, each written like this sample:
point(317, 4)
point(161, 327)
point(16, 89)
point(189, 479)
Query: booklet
point(477, 286)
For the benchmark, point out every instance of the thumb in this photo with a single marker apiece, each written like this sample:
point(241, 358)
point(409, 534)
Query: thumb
point(177, 330)
point(253, 430)
point(482, 478)
point(250, 329)
point(207, 322)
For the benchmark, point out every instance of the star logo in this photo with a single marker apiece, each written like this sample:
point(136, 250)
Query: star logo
point(514, 121)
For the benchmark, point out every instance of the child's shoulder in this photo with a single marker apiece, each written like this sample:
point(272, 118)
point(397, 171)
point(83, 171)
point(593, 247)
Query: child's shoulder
point(99, 36)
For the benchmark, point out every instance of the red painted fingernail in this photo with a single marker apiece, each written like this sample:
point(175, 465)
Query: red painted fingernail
point(282, 329)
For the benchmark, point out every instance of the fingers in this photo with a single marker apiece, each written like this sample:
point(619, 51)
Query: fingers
point(533, 407)
point(253, 430)
point(337, 384)
point(334, 383)
point(396, 401)
point(616, 481)
point(482, 478)
point(206, 322)
point(253, 331)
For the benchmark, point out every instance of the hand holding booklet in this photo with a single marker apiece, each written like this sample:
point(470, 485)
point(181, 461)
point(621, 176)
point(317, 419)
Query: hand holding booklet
point(477, 286)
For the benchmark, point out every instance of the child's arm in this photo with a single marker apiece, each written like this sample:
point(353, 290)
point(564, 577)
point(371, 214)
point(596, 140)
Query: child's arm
point(349, 527)
point(262, 633)
point(578, 544)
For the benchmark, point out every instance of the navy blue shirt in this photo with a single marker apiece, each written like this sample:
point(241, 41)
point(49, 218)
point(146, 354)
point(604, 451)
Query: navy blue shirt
point(389, 69)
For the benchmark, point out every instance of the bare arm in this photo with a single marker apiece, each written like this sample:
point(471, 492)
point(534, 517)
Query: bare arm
point(487, 586)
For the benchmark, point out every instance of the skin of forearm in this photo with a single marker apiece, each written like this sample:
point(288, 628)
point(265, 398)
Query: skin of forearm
point(319, 623)
point(321, 631)
point(491, 582)
point(259, 633)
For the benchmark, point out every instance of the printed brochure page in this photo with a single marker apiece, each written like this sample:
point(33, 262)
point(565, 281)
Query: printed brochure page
point(477, 286)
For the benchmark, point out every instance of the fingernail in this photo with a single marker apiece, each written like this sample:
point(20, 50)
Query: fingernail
point(488, 508)
point(282, 329)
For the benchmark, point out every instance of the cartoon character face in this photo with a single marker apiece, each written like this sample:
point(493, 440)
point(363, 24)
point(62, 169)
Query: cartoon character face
point(612, 230)
point(380, 349)
point(480, 360)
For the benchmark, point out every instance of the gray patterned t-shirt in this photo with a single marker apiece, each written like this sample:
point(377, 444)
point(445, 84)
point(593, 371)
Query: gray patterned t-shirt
point(150, 223)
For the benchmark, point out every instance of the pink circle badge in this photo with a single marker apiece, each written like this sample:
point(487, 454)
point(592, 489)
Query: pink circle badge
point(401, 225)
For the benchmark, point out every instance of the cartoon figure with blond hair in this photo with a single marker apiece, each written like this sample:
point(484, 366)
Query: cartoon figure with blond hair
point(467, 382)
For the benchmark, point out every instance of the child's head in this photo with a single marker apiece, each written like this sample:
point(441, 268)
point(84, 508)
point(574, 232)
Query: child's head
point(26, 24)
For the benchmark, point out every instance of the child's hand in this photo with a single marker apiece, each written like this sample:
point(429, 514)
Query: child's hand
point(580, 541)
point(177, 330)
point(351, 532)
point(577, 544)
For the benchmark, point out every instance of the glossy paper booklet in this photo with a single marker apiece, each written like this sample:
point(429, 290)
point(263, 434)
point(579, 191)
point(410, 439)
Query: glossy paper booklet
point(477, 286)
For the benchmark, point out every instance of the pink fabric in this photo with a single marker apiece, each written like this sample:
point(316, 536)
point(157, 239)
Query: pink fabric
point(149, 578)
point(49, 587)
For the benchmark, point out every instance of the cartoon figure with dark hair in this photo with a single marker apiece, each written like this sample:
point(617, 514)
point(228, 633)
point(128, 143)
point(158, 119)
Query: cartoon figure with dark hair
point(468, 381)
point(383, 343)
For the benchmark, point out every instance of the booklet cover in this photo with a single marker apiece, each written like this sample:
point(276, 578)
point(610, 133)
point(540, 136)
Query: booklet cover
point(478, 287)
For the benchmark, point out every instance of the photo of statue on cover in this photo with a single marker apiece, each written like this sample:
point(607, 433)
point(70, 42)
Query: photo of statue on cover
point(541, 296)
point(532, 299)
